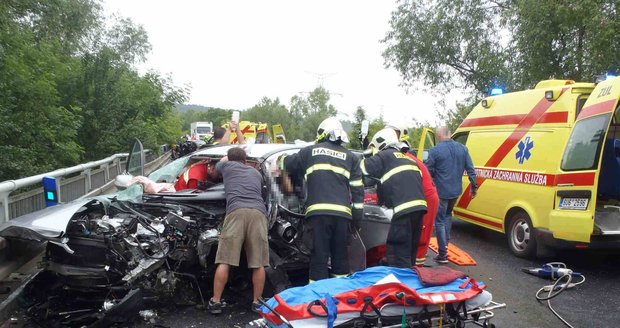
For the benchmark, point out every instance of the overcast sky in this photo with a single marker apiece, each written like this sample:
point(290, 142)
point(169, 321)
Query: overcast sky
point(233, 53)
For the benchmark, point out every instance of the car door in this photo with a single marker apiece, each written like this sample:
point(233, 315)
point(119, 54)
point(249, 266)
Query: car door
point(427, 142)
point(574, 214)
point(136, 159)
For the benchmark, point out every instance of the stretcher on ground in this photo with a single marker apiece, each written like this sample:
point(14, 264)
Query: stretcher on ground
point(381, 297)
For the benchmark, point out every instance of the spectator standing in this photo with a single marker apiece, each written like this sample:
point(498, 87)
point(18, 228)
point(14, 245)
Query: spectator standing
point(245, 226)
point(447, 162)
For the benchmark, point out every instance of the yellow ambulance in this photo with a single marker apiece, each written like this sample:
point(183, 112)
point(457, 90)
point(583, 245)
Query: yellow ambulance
point(548, 166)
point(260, 132)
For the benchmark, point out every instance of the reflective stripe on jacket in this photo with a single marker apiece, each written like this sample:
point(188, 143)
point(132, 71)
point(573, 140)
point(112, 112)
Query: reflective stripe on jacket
point(333, 179)
point(400, 179)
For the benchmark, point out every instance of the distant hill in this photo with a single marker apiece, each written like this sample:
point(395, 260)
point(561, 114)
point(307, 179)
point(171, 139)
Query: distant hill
point(185, 107)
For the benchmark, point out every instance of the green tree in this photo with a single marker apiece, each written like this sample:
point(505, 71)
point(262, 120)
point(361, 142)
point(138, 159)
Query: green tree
point(37, 132)
point(568, 40)
point(217, 116)
point(448, 44)
point(453, 117)
point(358, 118)
point(271, 111)
point(308, 112)
point(478, 44)
point(69, 90)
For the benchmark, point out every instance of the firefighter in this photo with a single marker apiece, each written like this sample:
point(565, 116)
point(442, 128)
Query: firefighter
point(400, 188)
point(402, 133)
point(335, 195)
point(430, 194)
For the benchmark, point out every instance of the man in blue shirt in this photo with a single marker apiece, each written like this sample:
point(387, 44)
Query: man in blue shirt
point(446, 162)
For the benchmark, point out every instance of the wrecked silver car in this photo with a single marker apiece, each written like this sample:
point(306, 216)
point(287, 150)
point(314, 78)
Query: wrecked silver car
point(109, 257)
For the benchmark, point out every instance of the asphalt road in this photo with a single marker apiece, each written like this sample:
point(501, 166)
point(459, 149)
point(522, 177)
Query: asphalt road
point(596, 303)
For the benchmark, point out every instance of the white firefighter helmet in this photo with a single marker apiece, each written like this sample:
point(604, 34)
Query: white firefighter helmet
point(384, 138)
point(332, 130)
point(401, 129)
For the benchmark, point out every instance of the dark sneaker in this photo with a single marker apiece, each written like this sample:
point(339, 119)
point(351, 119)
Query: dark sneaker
point(215, 307)
point(255, 306)
point(441, 259)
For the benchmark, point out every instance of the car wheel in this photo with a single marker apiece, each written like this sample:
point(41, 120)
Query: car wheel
point(521, 236)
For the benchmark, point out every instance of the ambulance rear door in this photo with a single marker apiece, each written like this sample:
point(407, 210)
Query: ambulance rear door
point(278, 134)
point(573, 216)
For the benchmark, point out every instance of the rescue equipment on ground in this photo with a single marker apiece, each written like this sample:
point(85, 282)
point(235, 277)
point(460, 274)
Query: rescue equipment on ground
point(562, 277)
point(382, 297)
point(455, 254)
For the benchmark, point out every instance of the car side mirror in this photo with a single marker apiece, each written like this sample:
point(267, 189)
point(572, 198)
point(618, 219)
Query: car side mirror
point(122, 181)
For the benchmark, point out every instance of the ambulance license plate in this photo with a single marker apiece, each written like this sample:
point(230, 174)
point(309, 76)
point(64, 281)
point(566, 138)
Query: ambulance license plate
point(574, 203)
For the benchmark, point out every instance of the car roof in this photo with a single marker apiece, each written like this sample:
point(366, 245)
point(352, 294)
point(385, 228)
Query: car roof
point(256, 150)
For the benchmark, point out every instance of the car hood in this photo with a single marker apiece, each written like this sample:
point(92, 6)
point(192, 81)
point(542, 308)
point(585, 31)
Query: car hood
point(46, 224)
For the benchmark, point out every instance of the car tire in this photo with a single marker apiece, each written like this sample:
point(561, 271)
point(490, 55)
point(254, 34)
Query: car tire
point(521, 235)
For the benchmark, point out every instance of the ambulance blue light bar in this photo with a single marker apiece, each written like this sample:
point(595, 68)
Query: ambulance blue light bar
point(609, 76)
point(496, 91)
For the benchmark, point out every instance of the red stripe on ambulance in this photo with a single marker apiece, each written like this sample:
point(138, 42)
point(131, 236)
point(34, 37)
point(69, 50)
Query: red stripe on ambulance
point(504, 149)
point(535, 178)
point(551, 117)
point(478, 219)
point(243, 131)
point(554, 117)
point(576, 179)
point(600, 108)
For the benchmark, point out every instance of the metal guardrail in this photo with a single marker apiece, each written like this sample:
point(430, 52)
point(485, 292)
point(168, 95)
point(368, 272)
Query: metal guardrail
point(90, 176)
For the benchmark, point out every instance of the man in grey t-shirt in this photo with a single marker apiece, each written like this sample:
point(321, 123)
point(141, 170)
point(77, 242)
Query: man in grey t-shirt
point(245, 226)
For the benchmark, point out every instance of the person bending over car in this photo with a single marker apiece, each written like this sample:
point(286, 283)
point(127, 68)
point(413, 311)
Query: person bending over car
point(245, 226)
point(334, 182)
point(400, 188)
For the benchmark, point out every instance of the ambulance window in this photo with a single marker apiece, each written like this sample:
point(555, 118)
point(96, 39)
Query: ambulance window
point(461, 138)
point(584, 145)
point(580, 102)
point(616, 119)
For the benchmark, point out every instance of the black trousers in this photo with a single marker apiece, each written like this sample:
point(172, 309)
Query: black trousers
point(403, 239)
point(330, 236)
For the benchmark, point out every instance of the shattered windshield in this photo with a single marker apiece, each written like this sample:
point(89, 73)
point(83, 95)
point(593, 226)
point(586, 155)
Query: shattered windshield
point(168, 174)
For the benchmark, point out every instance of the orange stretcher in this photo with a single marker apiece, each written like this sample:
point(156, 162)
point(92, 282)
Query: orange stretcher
point(455, 254)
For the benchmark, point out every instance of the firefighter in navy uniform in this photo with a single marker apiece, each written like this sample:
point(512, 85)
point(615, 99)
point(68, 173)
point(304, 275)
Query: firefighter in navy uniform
point(400, 188)
point(335, 196)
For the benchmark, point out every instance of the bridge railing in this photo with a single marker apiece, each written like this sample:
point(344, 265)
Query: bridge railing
point(74, 182)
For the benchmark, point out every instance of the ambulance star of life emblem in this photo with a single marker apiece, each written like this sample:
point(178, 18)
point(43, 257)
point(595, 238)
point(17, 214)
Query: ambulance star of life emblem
point(524, 153)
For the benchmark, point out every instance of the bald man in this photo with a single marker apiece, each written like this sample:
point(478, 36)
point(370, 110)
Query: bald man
point(446, 162)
